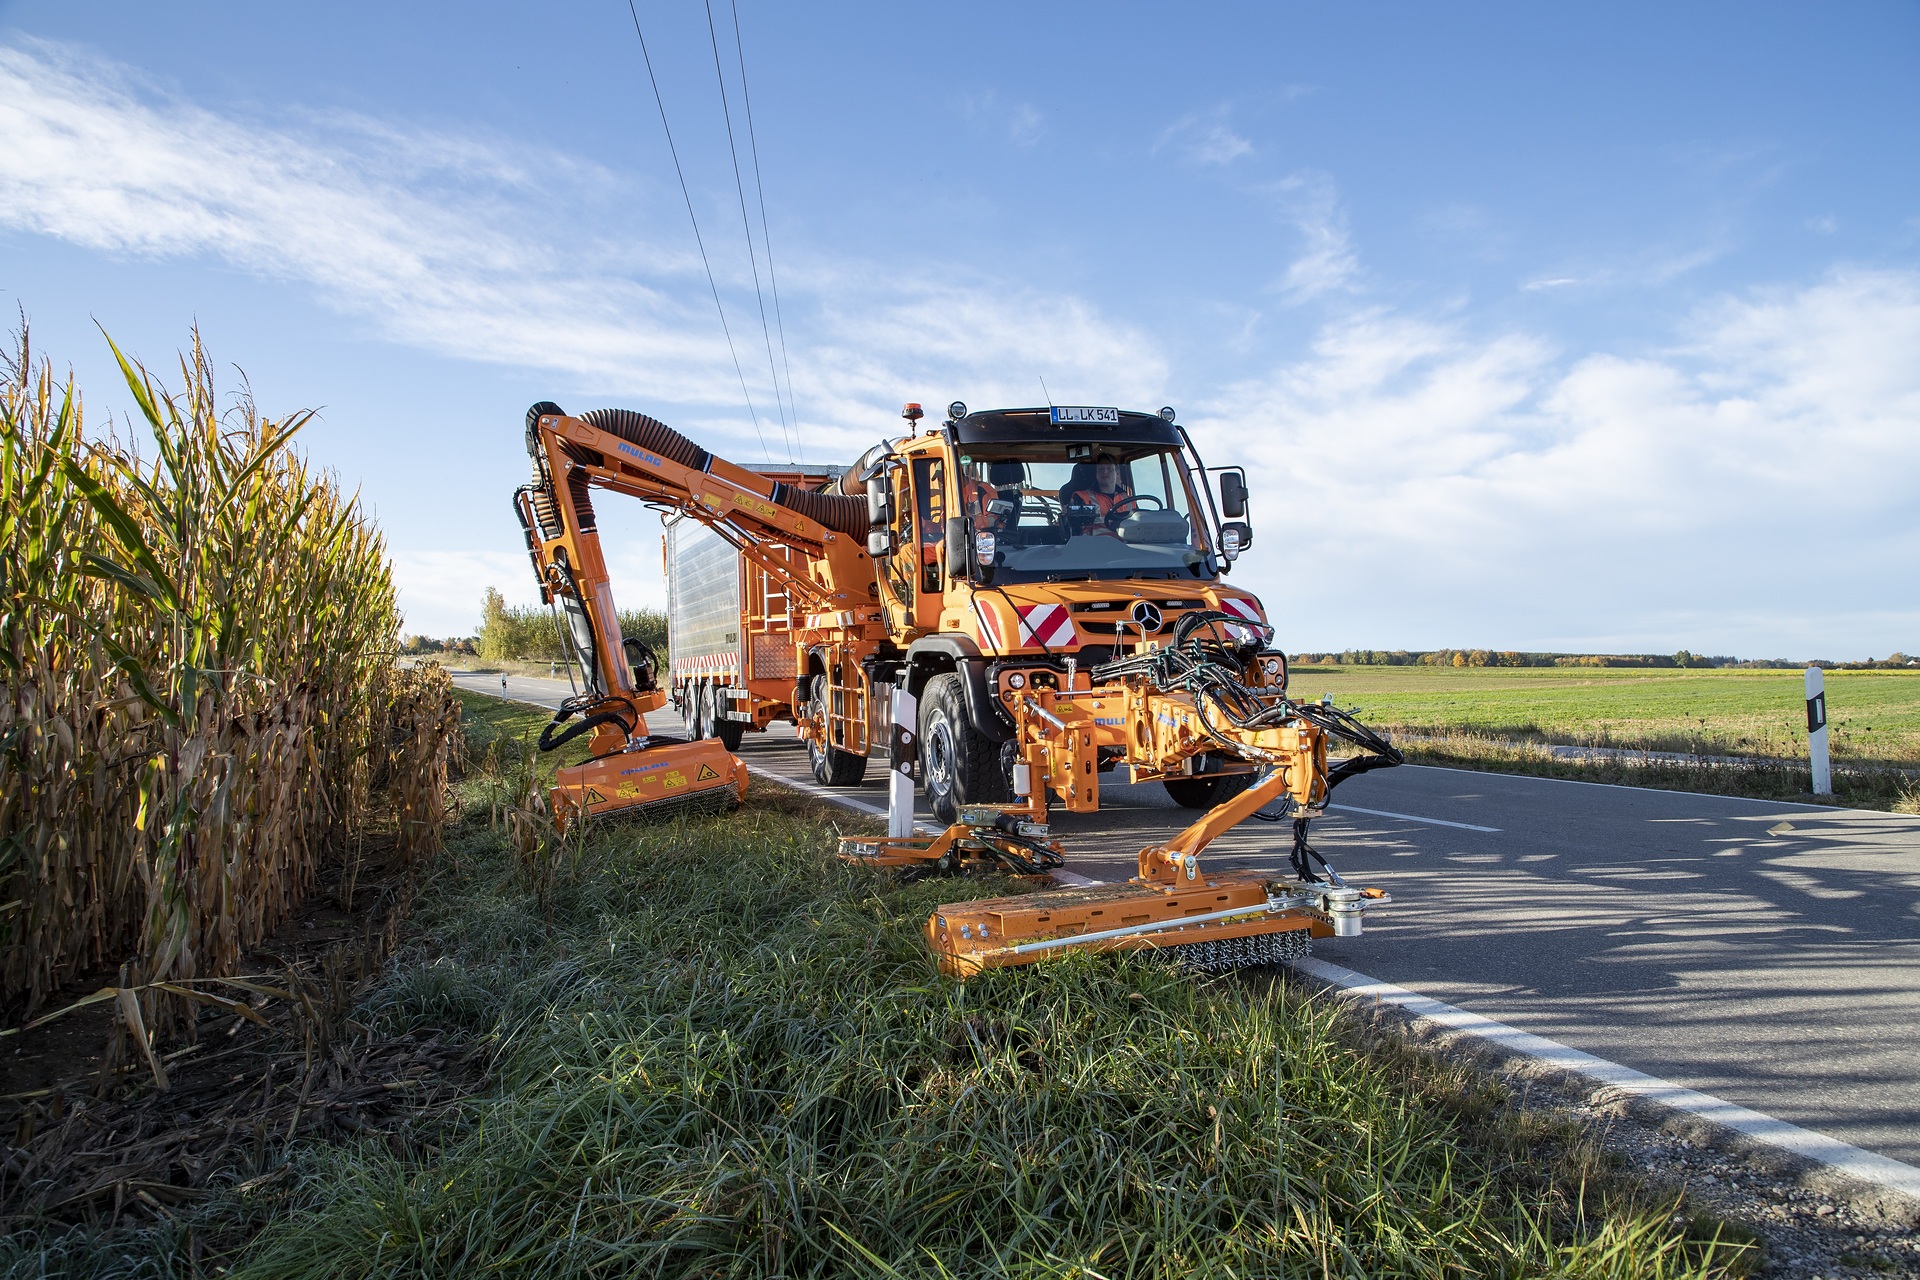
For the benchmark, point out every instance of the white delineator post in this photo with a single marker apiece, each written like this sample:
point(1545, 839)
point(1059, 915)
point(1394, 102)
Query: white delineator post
point(903, 747)
point(1817, 732)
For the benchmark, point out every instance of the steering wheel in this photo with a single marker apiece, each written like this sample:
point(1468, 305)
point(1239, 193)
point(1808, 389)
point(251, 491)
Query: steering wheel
point(1127, 504)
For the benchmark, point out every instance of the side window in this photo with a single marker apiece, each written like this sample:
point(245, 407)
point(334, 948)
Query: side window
point(929, 483)
point(903, 567)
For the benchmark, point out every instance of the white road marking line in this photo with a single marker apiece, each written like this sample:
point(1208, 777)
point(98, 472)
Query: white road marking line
point(1413, 817)
point(1854, 1161)
point(834, 797)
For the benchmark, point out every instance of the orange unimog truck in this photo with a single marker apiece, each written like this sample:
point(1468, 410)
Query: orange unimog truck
point(1024, 599)
point(1002, 559)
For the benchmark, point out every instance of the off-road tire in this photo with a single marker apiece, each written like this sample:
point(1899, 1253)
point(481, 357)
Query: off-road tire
point(727, 731)
point(958, 764)
point(831, 766)
point(1205, 793)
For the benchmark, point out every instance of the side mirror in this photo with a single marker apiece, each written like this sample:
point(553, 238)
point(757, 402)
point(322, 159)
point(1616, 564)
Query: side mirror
point(879, 520)
point(1235, 536)
point(1233, 495)
point(957, 547)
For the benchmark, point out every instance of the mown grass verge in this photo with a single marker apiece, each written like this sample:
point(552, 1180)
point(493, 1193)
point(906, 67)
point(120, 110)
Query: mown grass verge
point(718, 1052)
point(1853, 787)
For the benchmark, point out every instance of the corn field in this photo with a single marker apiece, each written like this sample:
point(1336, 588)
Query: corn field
point(201, 705)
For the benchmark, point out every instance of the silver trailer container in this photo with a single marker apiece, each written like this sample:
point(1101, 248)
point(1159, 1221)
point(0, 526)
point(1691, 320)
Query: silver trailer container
point(704, 623)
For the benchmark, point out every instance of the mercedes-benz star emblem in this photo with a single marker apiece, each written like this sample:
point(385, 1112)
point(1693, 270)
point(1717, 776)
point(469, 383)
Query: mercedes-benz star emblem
point(1146, 615)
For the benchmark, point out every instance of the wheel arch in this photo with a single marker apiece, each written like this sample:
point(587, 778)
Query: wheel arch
point(935, 655)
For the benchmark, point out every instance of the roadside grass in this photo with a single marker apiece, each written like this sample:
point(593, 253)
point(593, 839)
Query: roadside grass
point(719, 1052)
point(1874, 716)
point(1853, 787)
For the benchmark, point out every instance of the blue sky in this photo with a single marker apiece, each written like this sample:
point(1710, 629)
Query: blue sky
point(1537, 327)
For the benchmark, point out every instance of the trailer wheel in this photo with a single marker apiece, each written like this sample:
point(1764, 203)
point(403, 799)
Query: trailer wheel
point(958, 764)
point(831, 766)
point(727, 731)
point(1205, 793)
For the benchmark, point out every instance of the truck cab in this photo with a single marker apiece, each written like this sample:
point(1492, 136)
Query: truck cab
point(1018, 548)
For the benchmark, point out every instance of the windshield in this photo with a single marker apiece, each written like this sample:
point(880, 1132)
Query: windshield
point(1062, 509)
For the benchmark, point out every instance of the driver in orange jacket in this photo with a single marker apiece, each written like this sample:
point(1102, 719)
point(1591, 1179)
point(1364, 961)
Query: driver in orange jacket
point(1110, 495)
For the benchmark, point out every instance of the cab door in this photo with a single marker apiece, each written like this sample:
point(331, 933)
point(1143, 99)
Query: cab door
point(916, 568)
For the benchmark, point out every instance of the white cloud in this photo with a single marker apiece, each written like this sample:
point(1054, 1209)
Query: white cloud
point(1753, 485)
point(1022, 124)
point(1327, 262)
point(1205, 138)
point(442, 242)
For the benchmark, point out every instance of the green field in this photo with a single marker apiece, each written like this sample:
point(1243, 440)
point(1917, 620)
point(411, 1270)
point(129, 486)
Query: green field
point(1874, 716)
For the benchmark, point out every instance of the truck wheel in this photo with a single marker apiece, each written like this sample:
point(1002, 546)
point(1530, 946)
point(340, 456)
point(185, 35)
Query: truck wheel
point(831, 766)
point(1205, 793)
point(690, 710)
point(702, 711)
point(727, 731)
point(959, 764)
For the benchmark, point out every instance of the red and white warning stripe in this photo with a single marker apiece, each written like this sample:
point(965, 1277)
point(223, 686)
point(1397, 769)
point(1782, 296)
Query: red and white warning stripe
point(1050, 625)
point(1245, 608)
point(706, 665)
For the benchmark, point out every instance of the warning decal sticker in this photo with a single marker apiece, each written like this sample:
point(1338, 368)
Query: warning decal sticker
point(706, 771)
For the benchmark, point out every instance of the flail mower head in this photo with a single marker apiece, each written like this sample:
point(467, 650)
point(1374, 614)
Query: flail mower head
point(663, 779)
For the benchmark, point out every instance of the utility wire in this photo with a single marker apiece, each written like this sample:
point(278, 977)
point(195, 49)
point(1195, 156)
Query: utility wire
point(733, 151)
point(766, 237)
point(685, 195)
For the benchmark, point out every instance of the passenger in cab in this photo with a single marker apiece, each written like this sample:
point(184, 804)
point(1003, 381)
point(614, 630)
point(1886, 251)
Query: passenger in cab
point(1104, 498)
point(1001, 487)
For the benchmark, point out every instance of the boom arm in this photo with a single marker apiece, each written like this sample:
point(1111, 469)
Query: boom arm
point(634, 455)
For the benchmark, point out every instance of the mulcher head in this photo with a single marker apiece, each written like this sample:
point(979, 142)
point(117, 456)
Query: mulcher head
point(661, 781)
point(1212, 924)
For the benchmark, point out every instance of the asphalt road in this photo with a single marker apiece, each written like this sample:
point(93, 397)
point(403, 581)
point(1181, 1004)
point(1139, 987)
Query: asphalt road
point(1765, 953)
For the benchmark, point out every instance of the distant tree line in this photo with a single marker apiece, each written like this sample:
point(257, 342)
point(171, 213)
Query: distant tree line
point(530, 632)
point(1515, 658)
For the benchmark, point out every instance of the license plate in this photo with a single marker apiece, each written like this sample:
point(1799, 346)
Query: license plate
point(1066, 415)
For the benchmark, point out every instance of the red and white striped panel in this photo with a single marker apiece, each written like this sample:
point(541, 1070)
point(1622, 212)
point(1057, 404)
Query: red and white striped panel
point(706, 666)
point(1248, 609)
point(1050, 625)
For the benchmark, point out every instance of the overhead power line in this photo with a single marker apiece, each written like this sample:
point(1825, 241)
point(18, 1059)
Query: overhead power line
point(766, 236)
point(697, 239)
point(733, 151)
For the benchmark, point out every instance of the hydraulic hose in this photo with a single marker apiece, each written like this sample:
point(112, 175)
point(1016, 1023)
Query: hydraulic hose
point(549, 740)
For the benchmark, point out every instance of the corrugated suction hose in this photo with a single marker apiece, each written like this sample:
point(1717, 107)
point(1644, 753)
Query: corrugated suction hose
point(843, 515)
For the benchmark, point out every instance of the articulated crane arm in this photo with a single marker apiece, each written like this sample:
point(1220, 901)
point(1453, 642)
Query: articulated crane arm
point(634, 455)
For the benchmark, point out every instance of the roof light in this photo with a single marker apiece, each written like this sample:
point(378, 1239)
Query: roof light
point(957, 410)
point(1166, 412)
point(913, 412)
